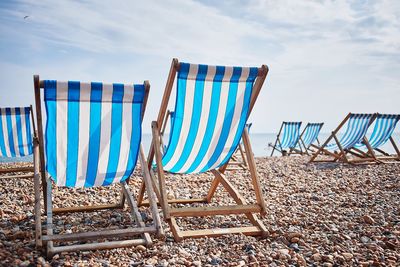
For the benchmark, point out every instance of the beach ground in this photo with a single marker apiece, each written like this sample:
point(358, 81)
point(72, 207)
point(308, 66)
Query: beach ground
point(317, 215)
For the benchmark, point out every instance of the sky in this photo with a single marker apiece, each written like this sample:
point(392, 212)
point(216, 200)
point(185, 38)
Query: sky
point(326, 58)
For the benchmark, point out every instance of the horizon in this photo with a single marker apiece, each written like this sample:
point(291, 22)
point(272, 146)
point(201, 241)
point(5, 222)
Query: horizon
point(325, 58)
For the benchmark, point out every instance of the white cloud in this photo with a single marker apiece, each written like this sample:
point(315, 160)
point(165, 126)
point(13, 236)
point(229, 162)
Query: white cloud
point(329, 56)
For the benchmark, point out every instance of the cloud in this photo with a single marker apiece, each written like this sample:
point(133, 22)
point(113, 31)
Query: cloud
point(330, 56)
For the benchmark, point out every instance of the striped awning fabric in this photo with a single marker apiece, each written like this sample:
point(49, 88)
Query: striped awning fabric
point(383, 129)
point(357, 127)
point(93, 131)
point(311, 133)
point(290, 134)
point(211, 110)
point(15, 132)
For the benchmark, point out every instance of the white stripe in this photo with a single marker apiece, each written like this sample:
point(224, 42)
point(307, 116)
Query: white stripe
point(106, 108)
point(205, 113)
point(15, 132)
point(61, 130)
point(236, 117)
point(23, 129)
point(5, 131)
point(84, 129)
point(126, 132)
point(187, 118)
point(220, 119)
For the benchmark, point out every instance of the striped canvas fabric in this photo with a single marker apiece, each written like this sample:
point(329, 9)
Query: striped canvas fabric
point(311, 133)
point(290, 134)
point(383, 129)
point(93, 132)
point(211, 110)
point(357, 127)
point(15, 132)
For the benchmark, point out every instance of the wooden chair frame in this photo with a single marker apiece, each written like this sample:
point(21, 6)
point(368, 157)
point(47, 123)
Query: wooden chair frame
point(291, 151)
point(342, 155)
point(27, 170)
point(170, 213)
point(47, 240)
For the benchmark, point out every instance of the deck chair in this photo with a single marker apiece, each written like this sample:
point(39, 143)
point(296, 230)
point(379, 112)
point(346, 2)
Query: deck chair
point(309, 136)
point(287, 138)
point(341, 148)
point(211, 109)
point(238, 160)
point(92, 138)
point(168, 117)
point(16, 139)
point(381, 134)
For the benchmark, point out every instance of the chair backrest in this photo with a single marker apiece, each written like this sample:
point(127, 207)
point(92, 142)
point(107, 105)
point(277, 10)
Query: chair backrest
point(15, 132)
point(290, 134)
point(383, 129)
point(211, 109)
point(93, 131)
point(357, 126)
point(311, 133)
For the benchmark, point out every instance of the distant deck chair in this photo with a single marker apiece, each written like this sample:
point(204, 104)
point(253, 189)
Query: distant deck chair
point(385, 125)
point(238, 160)
point(211, 109)
point(287, 138)
point(339, 150)
point(169, 116)
point(92, 138)
point(309, 136)
point(16, 138)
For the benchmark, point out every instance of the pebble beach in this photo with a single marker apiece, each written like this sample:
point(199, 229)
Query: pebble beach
point(322, 214)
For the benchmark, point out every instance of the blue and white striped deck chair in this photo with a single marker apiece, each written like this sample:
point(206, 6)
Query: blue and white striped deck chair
point(170, 117)
point(310, 135)
point(357, 126)
point(211, 109)
point(287, 138)
point(93, 138)
point(16, 138)
point(384, 127)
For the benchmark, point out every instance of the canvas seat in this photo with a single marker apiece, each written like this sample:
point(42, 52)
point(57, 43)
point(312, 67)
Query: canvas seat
point(211, 110)
point(92, 138)
point(16, 139)
point(384, 127)
point(309, 136)
point(288, 138)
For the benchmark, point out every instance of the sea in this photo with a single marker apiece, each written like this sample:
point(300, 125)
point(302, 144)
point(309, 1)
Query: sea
point(259, 143)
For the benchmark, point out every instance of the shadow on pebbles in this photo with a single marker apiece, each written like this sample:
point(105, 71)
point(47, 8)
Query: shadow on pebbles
point(318, 215)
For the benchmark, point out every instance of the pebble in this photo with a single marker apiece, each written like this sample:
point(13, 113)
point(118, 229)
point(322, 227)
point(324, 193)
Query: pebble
point(140, 248)
point(347, 256)
point(368, 219)
point(317, 214)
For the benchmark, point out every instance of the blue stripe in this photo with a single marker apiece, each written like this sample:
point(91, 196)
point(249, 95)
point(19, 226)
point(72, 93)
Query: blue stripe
point(136, 135)
point(2, 141)
point(212, 118)
point(115, 142)
point(50, 96)
point(72, 133)
point(94, 133)
point(230, 109)
point(179, 109)
point(19, 131)
point(28, 130)
point(10, 133)
point(243, 117)
point(196, 115)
